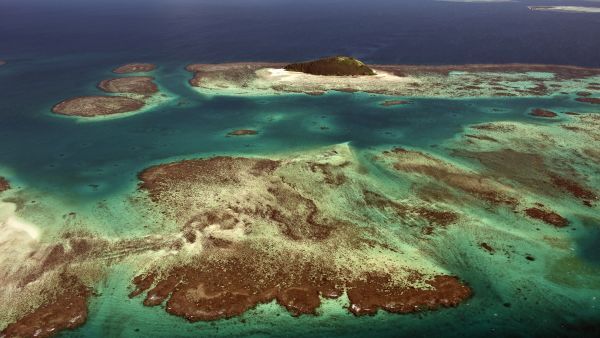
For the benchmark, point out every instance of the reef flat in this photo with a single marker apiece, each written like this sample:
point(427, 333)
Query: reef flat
point(511, 80)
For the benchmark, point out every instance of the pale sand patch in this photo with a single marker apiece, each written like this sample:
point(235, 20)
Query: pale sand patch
point(571, 9)
point(270, 81)
point(12, 227)
point(302, 81)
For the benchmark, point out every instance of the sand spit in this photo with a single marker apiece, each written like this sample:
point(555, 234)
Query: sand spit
point(134, 68)
point(397, 80)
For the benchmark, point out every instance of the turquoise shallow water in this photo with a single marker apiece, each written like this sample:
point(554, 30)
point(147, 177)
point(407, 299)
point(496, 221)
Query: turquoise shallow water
point(77, 165)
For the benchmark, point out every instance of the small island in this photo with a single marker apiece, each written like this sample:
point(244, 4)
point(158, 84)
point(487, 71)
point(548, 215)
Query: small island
point(349, 75)
point(2, 62)
point(90, 106)
point(132, 84)
point(134, 68)
point(332, 66)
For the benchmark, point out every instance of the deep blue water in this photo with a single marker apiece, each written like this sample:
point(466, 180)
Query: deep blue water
point(378, 31)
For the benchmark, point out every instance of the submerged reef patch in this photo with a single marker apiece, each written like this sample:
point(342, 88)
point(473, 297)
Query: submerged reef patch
point(547, 217)
point(90, 106)
point(389, 103)
point(592, 100)
point(134, 68)
point(242, 132)
point(543, 113)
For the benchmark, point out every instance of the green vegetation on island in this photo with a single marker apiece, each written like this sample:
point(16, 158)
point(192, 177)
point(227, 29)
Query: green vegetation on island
point(336, 65)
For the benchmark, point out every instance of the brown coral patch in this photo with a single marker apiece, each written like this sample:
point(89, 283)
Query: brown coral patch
point(543, 113)
point(592, 100)
point(227, 286)
point(134, 68)
point(394, 103)
point(89, 106)
point(574, 188)
point(65, 309)
point(242, 132)
point(215, 170)
point(131, 84)
point(376, 291)
point(548, 217)
point(142, 283)
point(4, 185)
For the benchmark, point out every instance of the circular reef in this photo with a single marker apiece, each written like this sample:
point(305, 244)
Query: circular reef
point(90, 106)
